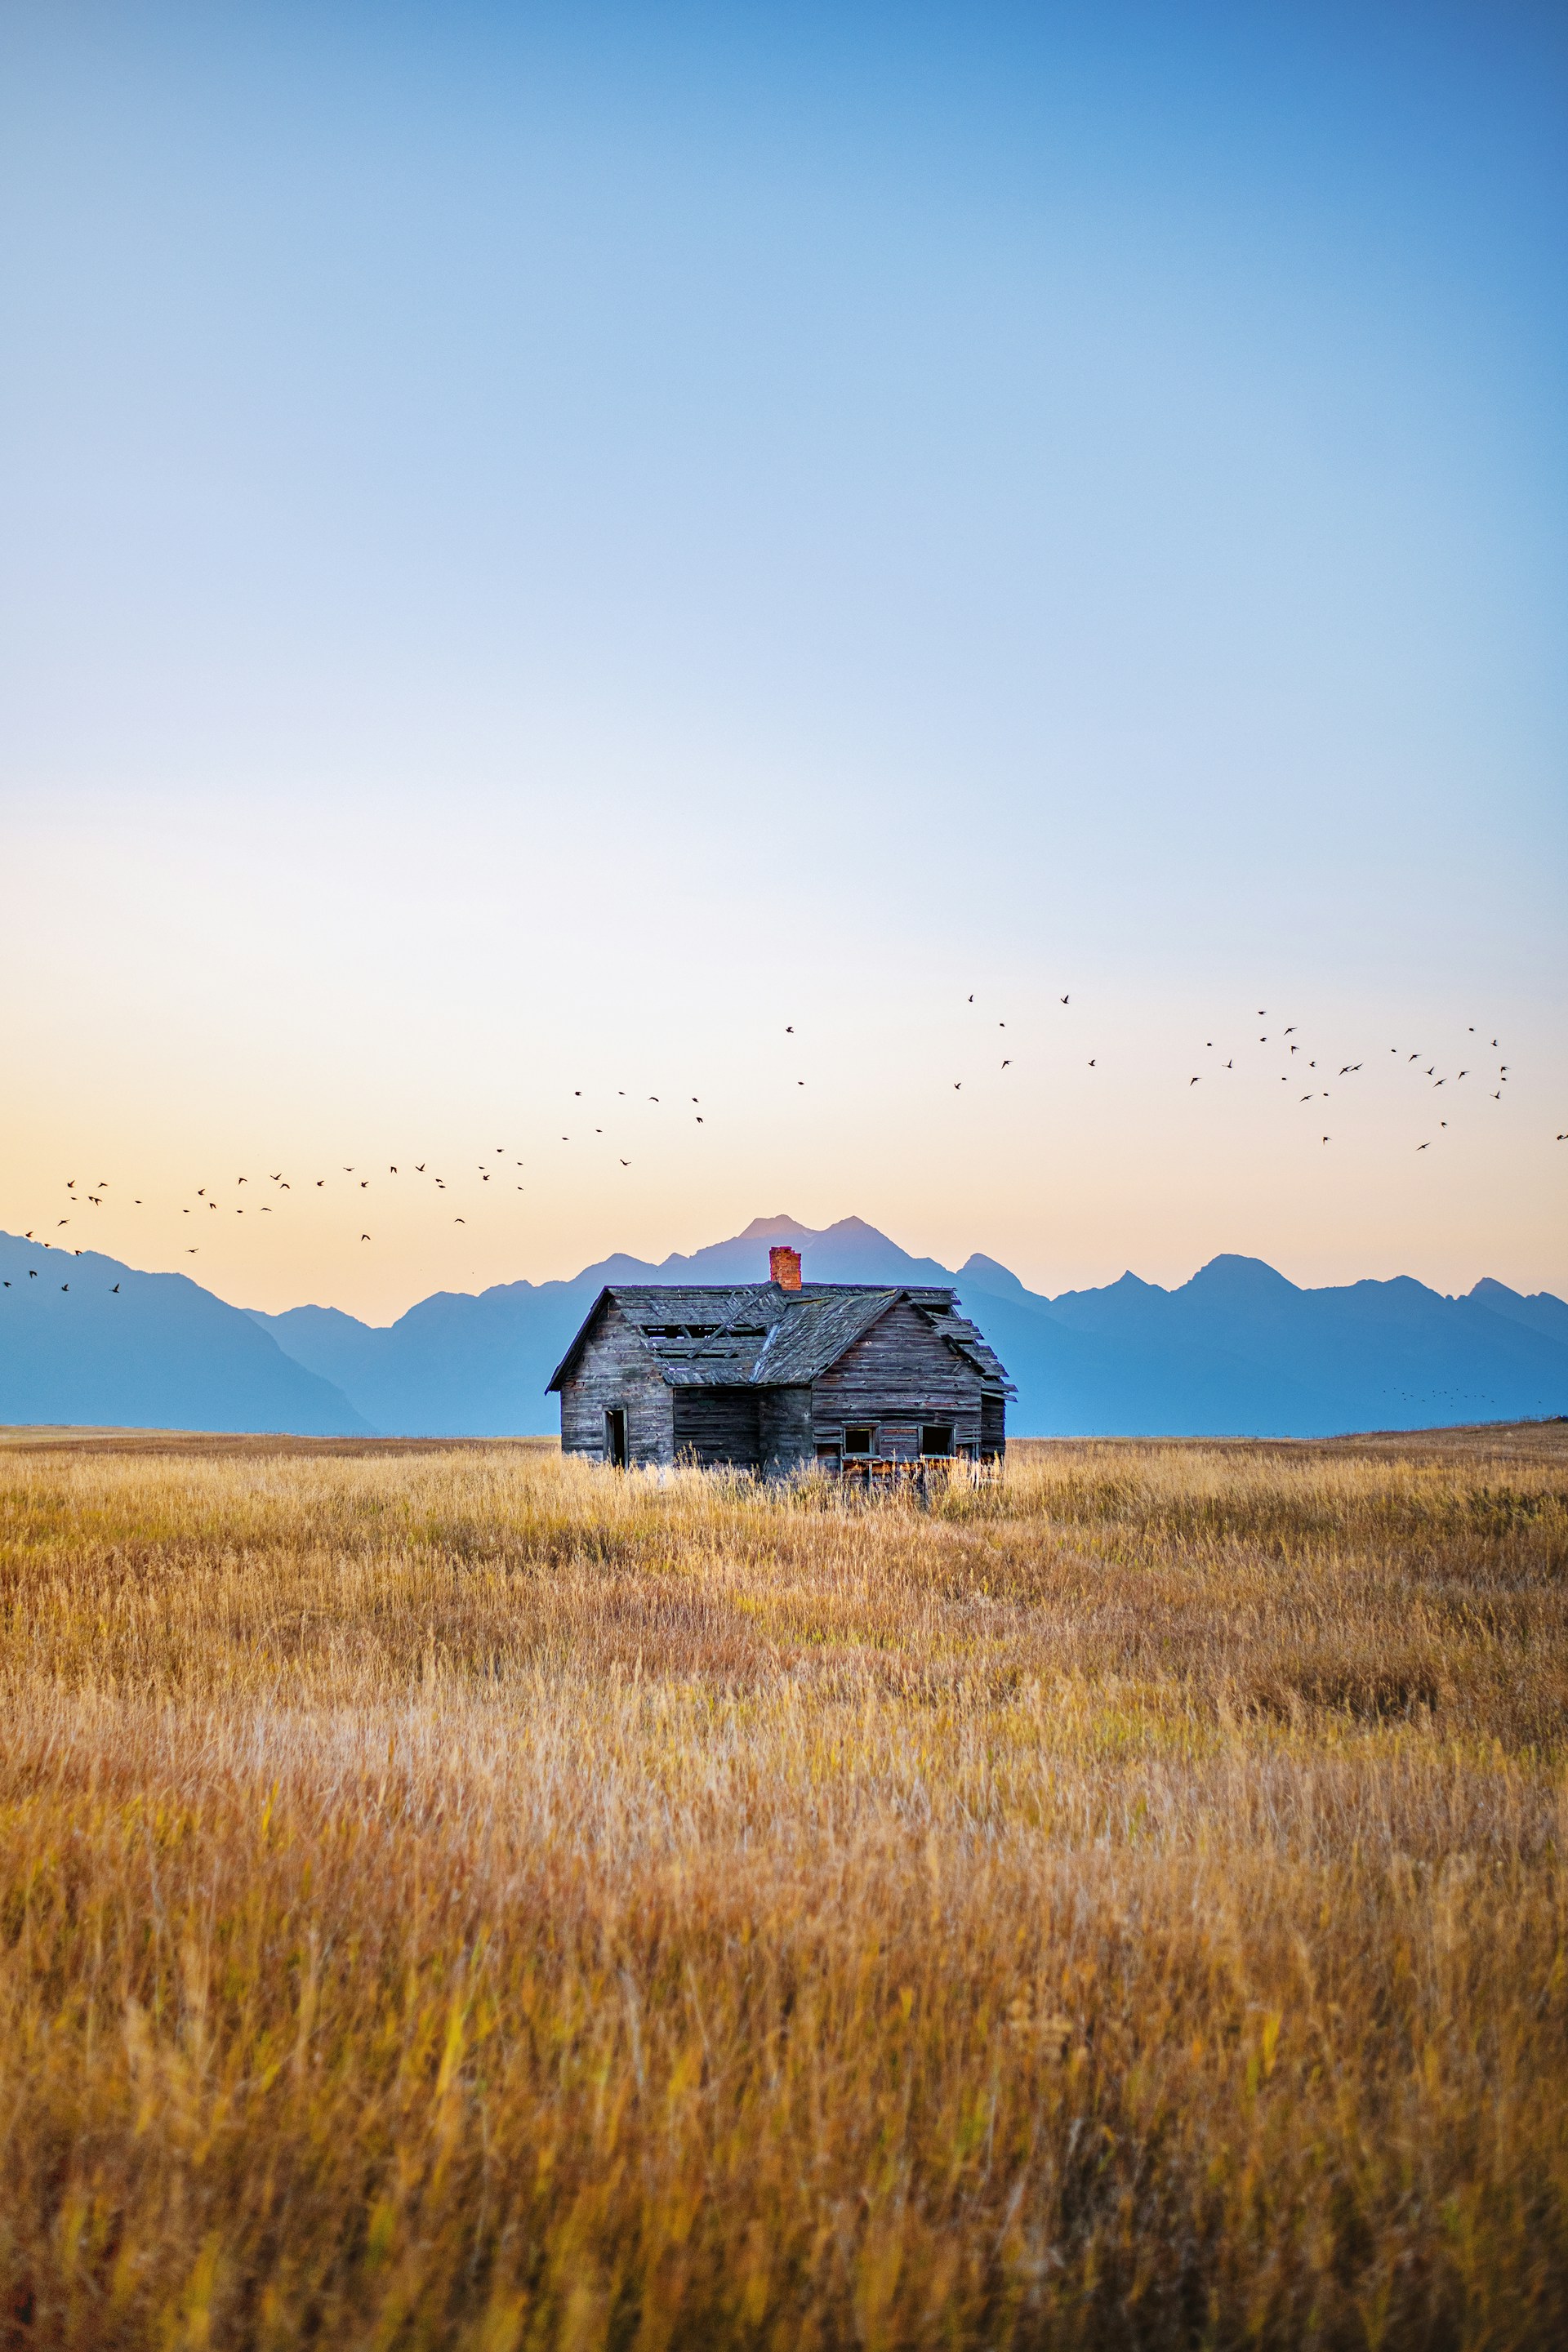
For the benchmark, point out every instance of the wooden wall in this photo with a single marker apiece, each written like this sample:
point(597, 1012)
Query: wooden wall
point(899, 1376)
point(615, 1368)
point(719, 1428)
point(785, 1431)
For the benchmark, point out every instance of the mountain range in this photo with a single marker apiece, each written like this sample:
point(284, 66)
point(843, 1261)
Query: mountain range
point(1237, 1350)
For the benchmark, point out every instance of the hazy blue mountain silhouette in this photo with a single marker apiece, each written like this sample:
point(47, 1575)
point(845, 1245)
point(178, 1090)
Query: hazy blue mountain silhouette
point(1237, 1351)
point(163, 1353)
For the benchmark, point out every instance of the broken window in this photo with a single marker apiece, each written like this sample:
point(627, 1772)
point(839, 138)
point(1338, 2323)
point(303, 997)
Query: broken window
point(858, 1441)
point(936, 1437)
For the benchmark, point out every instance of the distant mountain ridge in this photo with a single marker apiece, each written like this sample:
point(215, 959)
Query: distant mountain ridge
point(157, 1352)
point(1237, 1351)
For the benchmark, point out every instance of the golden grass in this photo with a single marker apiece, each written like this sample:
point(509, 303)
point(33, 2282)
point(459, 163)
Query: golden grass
point(461, 1897)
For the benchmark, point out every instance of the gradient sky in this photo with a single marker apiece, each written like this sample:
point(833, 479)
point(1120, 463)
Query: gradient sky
point(540, 546)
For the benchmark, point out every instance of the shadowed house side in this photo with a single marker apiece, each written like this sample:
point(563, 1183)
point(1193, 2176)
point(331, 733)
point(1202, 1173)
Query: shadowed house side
point(773, 1376)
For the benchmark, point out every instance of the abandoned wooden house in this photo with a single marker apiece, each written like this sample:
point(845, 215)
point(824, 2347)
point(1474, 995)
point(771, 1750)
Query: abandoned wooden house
point(774, 1376)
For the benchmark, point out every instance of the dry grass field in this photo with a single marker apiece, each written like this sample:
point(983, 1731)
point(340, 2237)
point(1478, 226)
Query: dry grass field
point(451, 1896)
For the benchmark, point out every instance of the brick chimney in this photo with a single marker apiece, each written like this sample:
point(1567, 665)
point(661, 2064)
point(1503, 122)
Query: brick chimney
point(784, 1266)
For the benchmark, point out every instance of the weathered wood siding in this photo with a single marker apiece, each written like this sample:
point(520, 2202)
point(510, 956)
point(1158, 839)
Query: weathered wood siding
point(785, 1431)
point(615, 1368)
point(718, 1429)
point(899, 1376)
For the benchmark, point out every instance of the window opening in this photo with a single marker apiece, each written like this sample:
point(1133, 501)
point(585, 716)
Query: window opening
point(936, 1437)
point(616, 1437)
point(858, 1441)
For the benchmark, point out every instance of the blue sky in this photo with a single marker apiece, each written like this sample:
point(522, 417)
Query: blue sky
point(541, 546)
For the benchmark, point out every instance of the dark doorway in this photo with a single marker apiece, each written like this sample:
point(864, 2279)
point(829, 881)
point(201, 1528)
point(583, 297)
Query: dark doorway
point(615, 1437)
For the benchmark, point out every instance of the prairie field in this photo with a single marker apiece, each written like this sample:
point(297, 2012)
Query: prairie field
point(454, 1896)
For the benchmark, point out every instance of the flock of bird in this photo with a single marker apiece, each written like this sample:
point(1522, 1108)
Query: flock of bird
point(264, 1195)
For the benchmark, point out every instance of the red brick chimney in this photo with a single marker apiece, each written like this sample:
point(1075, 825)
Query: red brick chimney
point(784, 1266)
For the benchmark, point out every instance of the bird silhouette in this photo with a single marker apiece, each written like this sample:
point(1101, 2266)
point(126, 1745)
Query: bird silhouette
point(1192, 1082)
point(1091, 1061)
point(112, 1293)
point(1063, 1000)
point(626, 1164)
point(365, 1237)
point(1007, 1064)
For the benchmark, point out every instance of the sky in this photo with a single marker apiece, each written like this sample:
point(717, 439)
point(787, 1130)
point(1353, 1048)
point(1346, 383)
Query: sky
point(673, 614)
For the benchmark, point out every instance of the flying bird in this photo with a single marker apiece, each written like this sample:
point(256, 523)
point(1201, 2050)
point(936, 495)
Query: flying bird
point(1063, 1000)
point(365, 1237)
point(1007, 1064)
point(1192, 1082)
point(112, 1293)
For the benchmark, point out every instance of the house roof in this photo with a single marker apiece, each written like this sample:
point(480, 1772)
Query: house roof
point(746, 1335)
